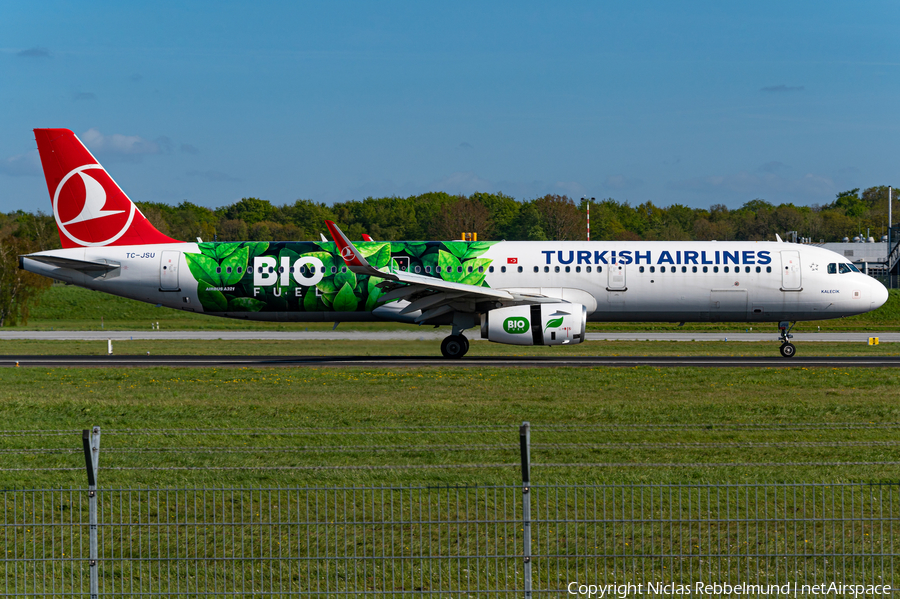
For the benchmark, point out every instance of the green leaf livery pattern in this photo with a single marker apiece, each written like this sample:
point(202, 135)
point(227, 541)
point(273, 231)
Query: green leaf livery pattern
point(227, 283)
point(203, 268)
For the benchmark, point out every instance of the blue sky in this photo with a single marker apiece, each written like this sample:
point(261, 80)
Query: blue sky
point(673, 102)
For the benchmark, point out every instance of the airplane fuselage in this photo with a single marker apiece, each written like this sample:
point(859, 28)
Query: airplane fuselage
point(615, 281)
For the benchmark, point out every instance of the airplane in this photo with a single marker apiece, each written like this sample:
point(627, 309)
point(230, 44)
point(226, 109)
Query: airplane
point(514, 292)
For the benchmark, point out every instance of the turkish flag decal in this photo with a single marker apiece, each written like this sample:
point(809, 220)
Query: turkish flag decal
point(512, 260)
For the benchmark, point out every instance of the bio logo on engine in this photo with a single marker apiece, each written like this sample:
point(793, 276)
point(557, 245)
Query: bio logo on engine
point(554, 322)
point(516, 325)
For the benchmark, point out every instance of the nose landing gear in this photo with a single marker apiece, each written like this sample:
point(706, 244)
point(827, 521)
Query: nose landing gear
point(787, 348)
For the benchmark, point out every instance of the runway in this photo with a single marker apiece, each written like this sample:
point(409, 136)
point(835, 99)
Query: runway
point(429, 335)
point(126, 361)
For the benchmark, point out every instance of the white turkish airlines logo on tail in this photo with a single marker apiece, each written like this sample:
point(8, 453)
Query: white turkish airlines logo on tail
point(347, 254)
point(94, 208)
point(94, 201)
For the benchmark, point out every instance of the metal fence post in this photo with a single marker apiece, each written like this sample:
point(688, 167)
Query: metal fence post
point(91, 441)
point(525, 447)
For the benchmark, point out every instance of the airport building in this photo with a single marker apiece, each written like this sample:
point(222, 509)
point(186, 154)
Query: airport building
point(869, 256)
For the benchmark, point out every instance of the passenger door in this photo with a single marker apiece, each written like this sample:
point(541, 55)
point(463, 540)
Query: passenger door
point(790, 271)
point(168, 270)
point(616, 280)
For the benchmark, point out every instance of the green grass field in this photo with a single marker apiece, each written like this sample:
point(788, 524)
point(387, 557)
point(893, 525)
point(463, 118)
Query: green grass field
point(312, 426)
point(74, 308)
point(430, 425)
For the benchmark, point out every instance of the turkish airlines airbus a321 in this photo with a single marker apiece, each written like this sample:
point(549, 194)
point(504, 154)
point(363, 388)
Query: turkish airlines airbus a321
point(517, 292)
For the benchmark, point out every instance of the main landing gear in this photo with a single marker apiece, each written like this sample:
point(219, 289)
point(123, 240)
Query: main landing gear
point(455, 346)
point(787, 348)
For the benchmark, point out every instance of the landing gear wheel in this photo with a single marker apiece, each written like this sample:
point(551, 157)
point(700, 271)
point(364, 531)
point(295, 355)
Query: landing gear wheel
point(454, 346)
point(788, 350)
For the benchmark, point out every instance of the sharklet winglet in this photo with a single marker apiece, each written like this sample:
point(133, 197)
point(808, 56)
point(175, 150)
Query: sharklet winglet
point(352, 256)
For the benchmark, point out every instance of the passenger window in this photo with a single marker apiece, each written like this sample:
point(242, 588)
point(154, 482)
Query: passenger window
point(705, 269)
point(546, 269)
point(715, 269)
point(419, 269)
point(599, 269)
point(758, 269)
point(693, 269)
point(480, 269)
point(768, 269)
point(641, 269)
point(555, 269)
point(726, 269)
point(684, 269)
point(470, 269)
point(536, 269)
point(568, 269)
point(832, 269)
point(490, 269)
point(652, 269)
point(662, 269)
point(333, 269)
point(746, 269)
point(218, 270)
point(459, 269)
point(502, 269)
point(519, 269)
point(228, 270)
point(437, 269)
point(428, 270)
point(577, 269)
point(587, 268)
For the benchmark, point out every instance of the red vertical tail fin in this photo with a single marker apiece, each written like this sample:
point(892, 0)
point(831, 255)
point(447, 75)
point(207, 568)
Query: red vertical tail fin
point(89, 207)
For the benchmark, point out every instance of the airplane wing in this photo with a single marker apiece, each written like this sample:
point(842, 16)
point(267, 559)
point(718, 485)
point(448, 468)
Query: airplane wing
point(432, 295)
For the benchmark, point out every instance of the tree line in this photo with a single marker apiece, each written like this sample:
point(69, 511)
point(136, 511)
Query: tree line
point(442, 216)
point(498, 216)
point(495, 216)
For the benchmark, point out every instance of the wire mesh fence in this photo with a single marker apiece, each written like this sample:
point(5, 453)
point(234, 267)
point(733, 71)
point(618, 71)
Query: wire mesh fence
point(472, 540)
point(456, 541)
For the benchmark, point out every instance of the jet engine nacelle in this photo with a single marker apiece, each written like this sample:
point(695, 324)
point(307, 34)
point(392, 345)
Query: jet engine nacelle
point(540, 324)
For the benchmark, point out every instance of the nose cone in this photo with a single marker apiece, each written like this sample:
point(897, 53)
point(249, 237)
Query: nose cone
point(879, 295)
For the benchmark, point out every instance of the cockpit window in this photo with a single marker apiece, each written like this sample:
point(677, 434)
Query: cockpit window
point(832, 269)
point(848, 267)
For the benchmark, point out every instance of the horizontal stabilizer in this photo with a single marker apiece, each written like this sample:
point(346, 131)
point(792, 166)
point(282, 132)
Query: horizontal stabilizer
point(79, 265)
